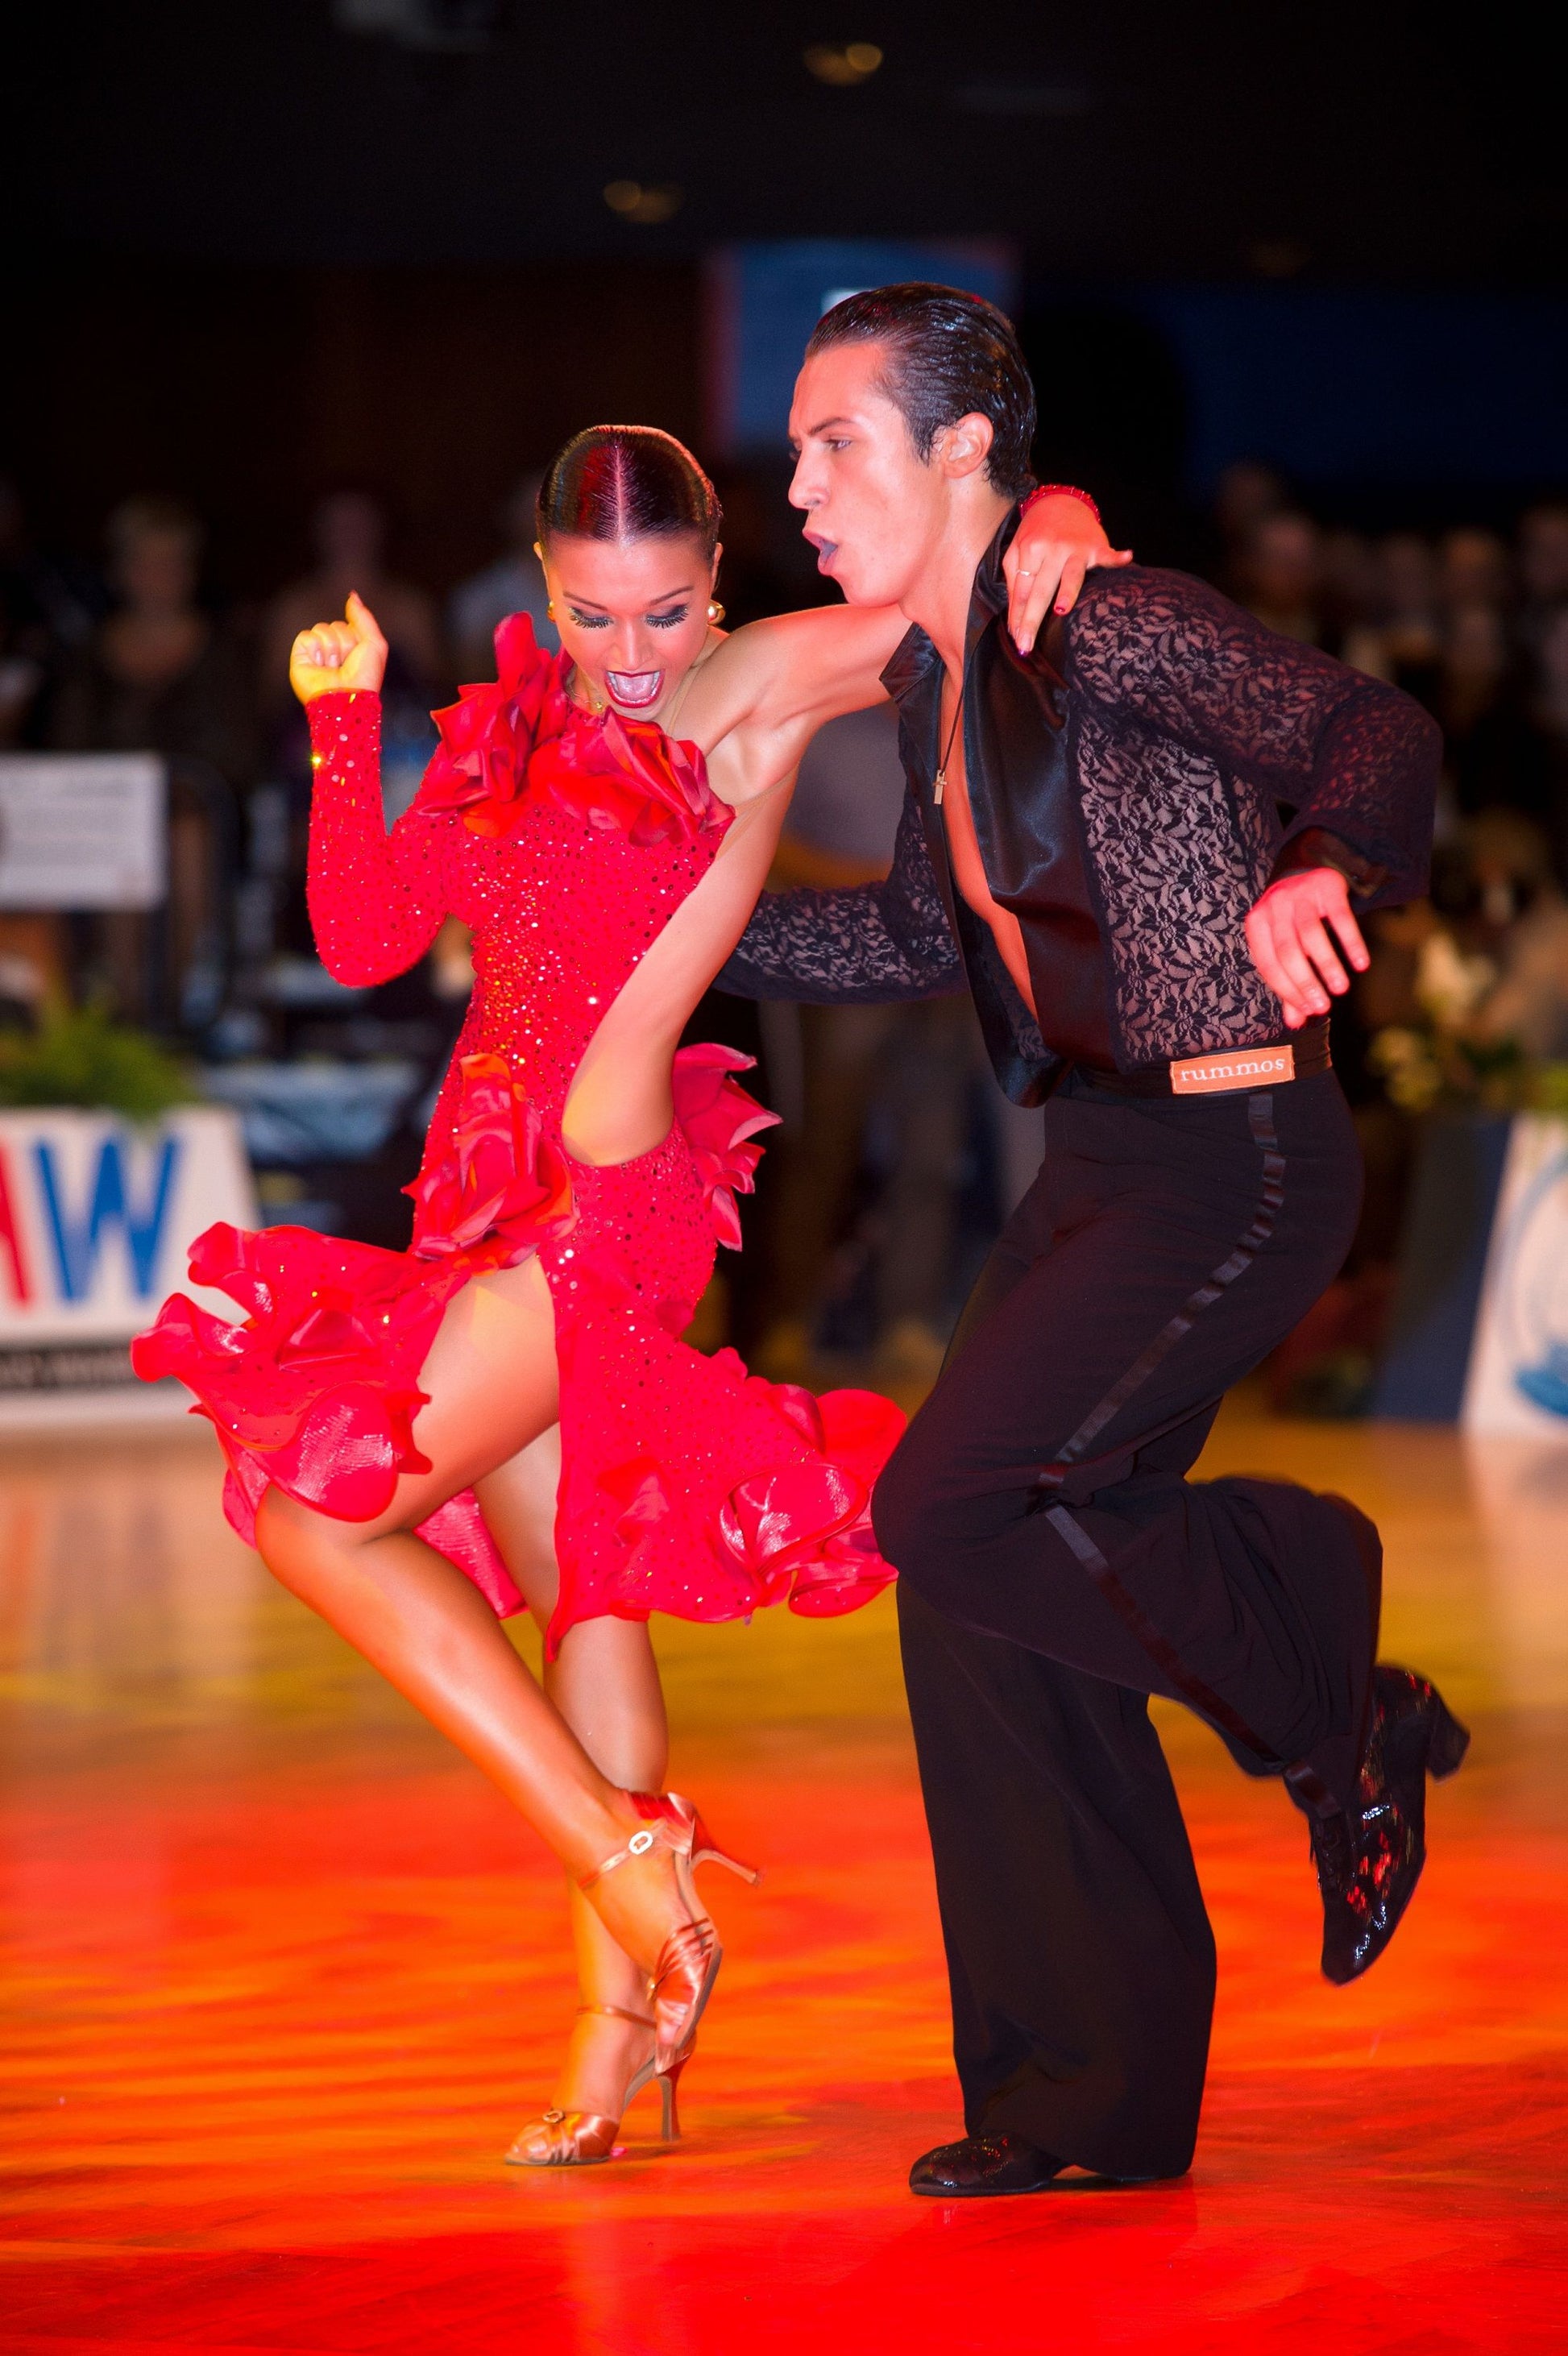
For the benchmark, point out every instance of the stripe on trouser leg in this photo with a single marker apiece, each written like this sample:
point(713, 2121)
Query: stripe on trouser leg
point(1161, 1651)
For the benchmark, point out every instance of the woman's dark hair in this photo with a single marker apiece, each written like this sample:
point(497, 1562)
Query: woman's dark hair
point(949, 354)
point(627, 482)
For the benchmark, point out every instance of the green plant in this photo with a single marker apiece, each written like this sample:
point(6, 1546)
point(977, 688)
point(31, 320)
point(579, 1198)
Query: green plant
point(84, 1058)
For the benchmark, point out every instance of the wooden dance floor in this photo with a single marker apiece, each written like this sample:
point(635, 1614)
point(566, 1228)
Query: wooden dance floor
point(283, 1978)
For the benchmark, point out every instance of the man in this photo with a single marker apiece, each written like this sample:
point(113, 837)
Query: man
point(1093, 841)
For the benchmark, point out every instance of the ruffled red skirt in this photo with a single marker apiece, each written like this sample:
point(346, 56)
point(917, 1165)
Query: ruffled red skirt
point(687, 1485)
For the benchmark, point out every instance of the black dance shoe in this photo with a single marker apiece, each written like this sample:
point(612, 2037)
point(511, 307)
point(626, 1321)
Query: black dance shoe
point(1370, 1857)
point(981, 2167)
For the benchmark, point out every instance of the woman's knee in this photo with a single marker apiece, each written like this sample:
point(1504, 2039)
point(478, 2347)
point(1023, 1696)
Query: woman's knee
point(298, 1545)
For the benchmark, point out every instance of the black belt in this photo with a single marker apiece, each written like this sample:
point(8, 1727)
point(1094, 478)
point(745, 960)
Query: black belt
point(1226, 1071)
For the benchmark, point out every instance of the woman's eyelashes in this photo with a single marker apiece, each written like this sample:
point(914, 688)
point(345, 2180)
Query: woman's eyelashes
point(669, 620)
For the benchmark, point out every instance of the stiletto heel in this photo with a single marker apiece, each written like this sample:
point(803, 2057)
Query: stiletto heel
point(671, 2121)
point(706, 1851)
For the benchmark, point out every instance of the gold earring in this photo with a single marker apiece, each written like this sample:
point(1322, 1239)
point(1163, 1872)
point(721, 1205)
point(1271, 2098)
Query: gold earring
point(550, 608)
point(715, 611)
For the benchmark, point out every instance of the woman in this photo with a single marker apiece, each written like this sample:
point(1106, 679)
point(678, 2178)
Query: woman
point(386, 1416)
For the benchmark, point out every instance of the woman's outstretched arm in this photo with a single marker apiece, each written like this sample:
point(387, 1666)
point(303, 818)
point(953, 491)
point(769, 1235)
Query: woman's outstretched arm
point(376, 901)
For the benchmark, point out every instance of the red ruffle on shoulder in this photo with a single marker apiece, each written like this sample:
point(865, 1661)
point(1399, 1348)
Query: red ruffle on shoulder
point(627, 775)
point(521, 733)
point(717, 1118)
point(488, 735)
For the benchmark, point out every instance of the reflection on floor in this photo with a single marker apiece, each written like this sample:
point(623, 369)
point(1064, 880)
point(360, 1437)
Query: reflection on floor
point(283, 1977)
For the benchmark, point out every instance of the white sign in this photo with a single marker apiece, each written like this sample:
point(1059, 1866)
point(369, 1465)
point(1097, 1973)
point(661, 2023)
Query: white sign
point(83, 830)
point(96, 1218)
point(1518, 1359)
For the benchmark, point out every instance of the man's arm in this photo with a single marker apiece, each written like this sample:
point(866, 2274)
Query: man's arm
point(865, 944)
point(1355, 762)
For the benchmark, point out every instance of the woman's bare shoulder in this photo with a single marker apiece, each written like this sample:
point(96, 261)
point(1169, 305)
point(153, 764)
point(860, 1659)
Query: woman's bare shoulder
point(791, 670)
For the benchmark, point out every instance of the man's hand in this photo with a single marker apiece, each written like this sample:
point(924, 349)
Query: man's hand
point(1288, 935)
point(1053, 548)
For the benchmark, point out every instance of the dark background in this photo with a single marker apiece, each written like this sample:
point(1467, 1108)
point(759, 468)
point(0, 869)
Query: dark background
point(264, 253)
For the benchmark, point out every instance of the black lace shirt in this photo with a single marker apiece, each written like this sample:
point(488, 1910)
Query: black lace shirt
point(1136, 784)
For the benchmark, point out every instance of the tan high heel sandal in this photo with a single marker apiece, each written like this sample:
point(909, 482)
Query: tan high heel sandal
point(580, 2138)
point(690, 1958)
point(681, 1984)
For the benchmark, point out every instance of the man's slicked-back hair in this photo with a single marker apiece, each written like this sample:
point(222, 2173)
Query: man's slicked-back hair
point(949, 355)
point(627, 482)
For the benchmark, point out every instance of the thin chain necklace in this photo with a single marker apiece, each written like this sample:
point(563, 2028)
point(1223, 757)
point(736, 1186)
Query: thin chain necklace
point(941, 786)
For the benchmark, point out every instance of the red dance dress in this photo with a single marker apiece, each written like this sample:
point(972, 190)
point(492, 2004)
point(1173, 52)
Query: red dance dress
point(565, 842)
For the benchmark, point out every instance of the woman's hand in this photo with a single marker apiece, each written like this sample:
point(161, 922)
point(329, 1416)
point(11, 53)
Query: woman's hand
point(335, 656)
point(1056, 541)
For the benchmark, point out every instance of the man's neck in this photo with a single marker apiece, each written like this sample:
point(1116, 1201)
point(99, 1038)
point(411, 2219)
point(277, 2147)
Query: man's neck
point(940, 598)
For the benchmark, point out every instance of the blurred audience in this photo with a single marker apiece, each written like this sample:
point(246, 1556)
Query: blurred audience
point(1280, 575)
point(1542, 566)
point(1246, 493)
point(1474, 571)
point(48, 605)
point(160, 674)
point(1528, 1002)
point(514, 584)
point(349, 530)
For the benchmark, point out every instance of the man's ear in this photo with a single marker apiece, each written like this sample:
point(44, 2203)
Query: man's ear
point(963, 447)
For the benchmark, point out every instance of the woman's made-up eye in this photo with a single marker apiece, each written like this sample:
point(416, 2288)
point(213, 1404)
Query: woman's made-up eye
point(670, 621)
point(588, 621)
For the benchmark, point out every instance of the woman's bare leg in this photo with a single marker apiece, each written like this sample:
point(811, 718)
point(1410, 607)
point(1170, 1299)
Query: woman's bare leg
point(491, 1377)
point(605, 1683)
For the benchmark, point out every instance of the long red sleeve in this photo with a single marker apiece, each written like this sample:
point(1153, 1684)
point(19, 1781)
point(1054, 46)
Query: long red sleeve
point(376, 899)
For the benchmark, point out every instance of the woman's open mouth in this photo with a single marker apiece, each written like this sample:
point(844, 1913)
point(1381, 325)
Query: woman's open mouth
point(636, 688)
point(826, 551)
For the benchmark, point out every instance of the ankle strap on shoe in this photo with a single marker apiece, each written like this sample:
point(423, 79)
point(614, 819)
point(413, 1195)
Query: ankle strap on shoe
point(645, 1837)
point(620, 2012)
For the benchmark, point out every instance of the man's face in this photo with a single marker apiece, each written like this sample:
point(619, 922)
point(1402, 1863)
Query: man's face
point(873, 508)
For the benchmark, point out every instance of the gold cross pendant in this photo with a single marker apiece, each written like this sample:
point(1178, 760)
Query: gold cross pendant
point(938, 789)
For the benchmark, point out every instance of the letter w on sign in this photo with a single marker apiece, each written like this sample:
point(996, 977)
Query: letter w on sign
point(77, 1239)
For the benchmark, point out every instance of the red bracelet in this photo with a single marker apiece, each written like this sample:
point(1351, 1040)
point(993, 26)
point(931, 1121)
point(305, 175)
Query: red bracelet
point(1062, 491)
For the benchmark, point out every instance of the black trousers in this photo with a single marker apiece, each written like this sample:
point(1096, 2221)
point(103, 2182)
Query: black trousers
point(1058, 1567)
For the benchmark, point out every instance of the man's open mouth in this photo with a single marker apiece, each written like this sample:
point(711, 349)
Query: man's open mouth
point(636, 688)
